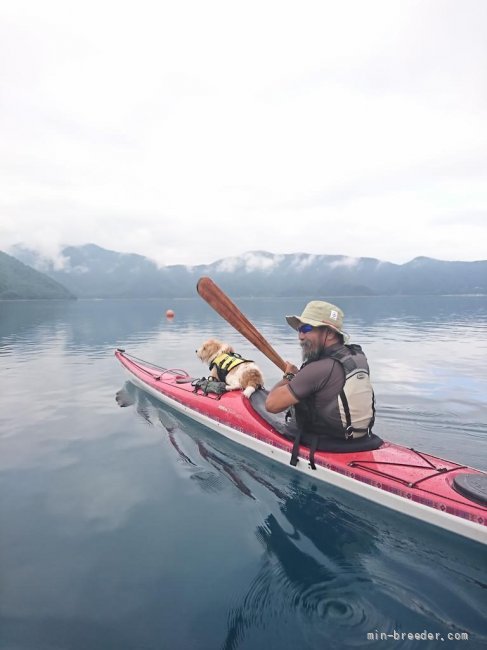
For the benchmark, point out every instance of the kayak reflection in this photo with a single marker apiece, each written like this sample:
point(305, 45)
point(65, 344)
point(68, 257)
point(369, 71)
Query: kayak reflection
point(331, 570)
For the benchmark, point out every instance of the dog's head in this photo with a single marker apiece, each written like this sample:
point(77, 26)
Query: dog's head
point(211, 349)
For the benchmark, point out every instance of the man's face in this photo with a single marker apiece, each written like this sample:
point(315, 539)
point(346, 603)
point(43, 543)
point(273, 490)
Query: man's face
point(312, 342)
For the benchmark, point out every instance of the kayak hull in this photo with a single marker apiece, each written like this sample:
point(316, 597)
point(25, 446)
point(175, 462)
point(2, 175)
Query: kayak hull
point(415, 484)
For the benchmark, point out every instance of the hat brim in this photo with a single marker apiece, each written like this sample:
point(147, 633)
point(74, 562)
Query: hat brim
point(297, 321)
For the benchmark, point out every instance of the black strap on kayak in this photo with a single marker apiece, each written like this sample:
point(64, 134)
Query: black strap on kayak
point(295, 451)
point(312, 448)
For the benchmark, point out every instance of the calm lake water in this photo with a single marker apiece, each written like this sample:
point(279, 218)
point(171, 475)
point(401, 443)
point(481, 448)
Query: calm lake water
point(137, 529)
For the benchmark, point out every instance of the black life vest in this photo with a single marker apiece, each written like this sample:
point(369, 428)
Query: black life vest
point(355, 403)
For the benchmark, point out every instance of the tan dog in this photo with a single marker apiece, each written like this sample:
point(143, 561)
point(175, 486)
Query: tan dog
point(232, 369)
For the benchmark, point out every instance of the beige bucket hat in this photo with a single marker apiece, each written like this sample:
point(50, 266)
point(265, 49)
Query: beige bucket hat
point(319, 314)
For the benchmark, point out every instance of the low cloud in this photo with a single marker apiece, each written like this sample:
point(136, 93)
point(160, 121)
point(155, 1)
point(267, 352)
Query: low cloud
point(249, 262)
point(347, 262)
point(260, 262)
point(228, 265)
point(303, 262)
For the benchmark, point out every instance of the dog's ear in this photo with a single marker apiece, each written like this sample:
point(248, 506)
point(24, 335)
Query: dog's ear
point(210, 349)
point(205, 351)
point(225, 348)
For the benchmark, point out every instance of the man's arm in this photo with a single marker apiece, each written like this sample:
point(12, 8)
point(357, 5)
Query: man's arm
point(281, 396)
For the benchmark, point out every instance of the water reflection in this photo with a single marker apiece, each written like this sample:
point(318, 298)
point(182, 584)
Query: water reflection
point(341, 578)
point(135, 529)
point(93, 323)
point(331, 569)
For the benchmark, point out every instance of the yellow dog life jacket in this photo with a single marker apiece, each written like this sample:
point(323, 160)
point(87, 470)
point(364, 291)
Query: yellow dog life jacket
point(226, 362)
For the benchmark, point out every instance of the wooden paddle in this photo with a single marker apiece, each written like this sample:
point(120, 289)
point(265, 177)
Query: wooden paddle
point(222, 304)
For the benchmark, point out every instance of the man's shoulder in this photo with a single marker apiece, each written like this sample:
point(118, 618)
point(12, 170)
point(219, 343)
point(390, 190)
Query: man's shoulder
point(325, 364)
point(316, 375)
point(317, 363)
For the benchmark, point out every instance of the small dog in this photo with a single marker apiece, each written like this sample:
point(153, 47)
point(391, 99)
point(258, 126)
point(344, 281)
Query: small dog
point(229, 367)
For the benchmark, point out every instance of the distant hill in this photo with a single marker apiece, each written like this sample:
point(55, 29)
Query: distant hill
point(91, 271)
point(19, 281)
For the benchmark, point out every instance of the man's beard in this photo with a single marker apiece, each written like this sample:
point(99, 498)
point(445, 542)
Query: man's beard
point(311, 354)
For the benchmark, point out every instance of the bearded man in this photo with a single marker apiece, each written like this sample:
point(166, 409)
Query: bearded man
point(331, 394)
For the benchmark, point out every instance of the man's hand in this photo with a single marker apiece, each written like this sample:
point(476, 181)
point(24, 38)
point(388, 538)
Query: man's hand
point(281, 397)
point(290, 368)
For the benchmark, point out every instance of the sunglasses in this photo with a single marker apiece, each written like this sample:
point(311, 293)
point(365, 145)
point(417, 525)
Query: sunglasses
point(304, 329)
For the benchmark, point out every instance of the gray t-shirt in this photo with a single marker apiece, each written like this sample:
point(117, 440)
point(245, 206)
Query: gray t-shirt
point(321, 381)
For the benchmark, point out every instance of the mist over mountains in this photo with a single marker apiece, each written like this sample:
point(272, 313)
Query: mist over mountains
point(92, 272)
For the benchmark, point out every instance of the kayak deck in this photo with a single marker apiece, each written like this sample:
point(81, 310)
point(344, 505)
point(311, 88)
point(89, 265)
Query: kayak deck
point(416, 483)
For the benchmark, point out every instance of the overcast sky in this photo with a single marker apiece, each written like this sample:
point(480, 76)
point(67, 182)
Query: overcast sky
point(188, 131)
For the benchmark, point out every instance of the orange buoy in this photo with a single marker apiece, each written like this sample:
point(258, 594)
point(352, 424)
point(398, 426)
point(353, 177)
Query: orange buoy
point(169, 313)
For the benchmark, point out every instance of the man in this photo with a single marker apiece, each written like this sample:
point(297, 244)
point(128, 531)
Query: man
point(331, 394)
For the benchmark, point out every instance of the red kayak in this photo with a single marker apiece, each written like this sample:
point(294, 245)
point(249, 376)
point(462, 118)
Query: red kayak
point(434, 490)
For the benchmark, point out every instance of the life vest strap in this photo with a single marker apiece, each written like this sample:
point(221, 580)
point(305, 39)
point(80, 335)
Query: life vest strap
point(295, 451)
point(226, 362)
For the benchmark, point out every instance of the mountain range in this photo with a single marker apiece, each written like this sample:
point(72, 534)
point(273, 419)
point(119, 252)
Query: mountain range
point(89, 271)
point(20, 281)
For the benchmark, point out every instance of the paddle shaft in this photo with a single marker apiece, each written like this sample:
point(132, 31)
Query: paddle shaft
point(222, 304)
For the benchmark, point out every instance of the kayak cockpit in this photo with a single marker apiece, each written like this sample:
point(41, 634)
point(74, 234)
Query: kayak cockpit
point(288, 429)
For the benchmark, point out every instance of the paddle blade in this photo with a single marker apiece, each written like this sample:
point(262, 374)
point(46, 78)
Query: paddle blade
point(221, 303)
